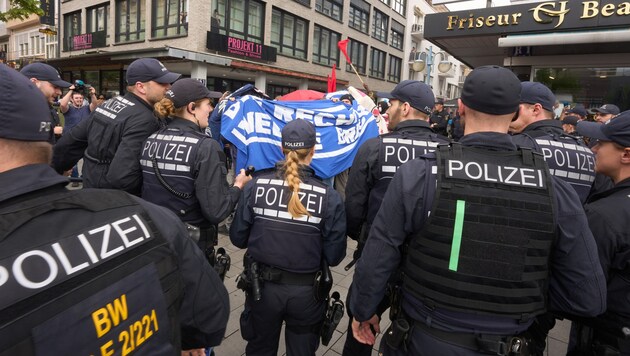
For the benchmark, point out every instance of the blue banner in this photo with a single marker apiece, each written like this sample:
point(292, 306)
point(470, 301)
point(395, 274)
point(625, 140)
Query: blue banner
point(253, 125)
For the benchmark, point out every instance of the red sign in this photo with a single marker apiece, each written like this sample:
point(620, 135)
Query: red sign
point(244, 48)
point(83, 41)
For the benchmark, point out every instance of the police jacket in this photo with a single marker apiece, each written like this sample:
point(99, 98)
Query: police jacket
point(110, 142)
point(574, 264)
point(54, 122)
point(263, 225)
point(190, 178)
point(376, 163)
point(96, 271)
point(567, 156)
point(609, 219)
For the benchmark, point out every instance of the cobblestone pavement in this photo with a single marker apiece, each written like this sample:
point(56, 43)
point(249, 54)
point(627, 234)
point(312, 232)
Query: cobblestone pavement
point(234, 345)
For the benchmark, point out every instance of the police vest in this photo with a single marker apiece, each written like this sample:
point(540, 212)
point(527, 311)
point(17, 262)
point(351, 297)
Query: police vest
point(395, 149)
point(568, 160)
point(280, 240)
point(168, 172)
point(108, 284)
point(485, 247)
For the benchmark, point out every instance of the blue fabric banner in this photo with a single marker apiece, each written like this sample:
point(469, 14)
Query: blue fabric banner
point(253, 125)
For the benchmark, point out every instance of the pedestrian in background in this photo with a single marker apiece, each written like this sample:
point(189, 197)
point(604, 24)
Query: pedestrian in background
point(289, 221)
point(83, 271)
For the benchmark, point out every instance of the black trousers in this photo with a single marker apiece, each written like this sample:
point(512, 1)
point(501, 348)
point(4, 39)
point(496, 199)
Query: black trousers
point(261, 321)
point(352, 347)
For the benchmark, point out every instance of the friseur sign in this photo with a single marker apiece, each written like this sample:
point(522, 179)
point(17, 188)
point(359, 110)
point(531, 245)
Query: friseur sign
point(239, 47)
point(553, 16)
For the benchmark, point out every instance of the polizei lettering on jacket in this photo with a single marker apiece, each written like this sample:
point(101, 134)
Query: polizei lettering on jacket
point(28, 272)
point(169, 147)
point(494, 173)
point(400, 150)
point(272, 196)
point(568, 160)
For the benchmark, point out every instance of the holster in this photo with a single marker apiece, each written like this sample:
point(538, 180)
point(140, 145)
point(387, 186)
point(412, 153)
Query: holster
point(323, 282)
point(332, 316)
point(397, 334)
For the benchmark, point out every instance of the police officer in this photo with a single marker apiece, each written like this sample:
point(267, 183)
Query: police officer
point(47, 79)
point(376, 163)
point(289, 221)
point(183, 169)
point(90, 271)
point(487, 239)
point(608, 216)
point(110, 140)
point(439, 118)
point(567, 156)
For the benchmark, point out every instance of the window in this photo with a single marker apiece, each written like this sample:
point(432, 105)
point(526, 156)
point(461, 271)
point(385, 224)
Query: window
point(325, 46)
point(244, 19)
point(395, 66)
point(304, 2)
point(380, 26)
point(397, 35)
point(71, 27)
point(170, 18)
point(386, 2)
point(377, 63)
point(358, 53)
point(97, 18)
point(400, 6)
point(330, 8)
point(359, 15)
point(130, 20)
point(288, 34)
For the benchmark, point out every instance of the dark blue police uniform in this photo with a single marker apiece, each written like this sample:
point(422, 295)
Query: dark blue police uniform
point(184, 170)
point(289, 252)
point(567, 156)
point(448, 326)
point(110, 141)
point(373, 168)
point(115, 274)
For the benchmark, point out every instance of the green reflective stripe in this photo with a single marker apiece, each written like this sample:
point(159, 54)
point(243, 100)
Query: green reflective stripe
point(457, 234)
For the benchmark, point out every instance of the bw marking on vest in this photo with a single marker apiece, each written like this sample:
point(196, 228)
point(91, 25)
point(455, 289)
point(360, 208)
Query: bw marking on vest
point(493, 173)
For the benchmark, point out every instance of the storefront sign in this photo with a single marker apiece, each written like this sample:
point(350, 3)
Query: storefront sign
point(48, 18)
point(537, 17)
point(239, 47)
point(87, 41)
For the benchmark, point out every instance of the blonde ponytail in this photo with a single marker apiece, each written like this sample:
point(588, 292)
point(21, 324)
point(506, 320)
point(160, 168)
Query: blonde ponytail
point(292, 177)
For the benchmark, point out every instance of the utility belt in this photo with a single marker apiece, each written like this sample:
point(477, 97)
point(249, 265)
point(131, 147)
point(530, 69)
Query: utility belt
point(400, 330)
point(207, 238)
point(96, 160)
point(276, 275)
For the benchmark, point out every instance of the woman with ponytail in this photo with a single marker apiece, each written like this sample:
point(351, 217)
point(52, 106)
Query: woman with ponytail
point(290, 222)
point(183, 169)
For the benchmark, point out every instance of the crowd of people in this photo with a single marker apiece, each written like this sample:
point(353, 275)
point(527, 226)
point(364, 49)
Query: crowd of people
point(476, 230)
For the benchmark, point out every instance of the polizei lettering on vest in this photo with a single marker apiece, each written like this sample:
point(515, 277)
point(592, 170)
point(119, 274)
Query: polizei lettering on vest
point(489, 172)
point(177, 152)
point(51, 264)
point(571, 159)
point(278, 197)
point(404, 153)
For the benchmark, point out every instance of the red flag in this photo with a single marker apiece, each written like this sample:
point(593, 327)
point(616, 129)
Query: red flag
point(332, 79)
point(343, 47)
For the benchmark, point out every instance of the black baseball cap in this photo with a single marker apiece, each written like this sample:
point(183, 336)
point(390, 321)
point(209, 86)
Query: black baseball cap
point(346, 96)
point(24, 112)
point(439, 101)
point(492, 90)
point(579, 110)
point(298, 134)
point(44, 72)
point(537, 93)
point(570, 120)
point(147, 69)
point(616, 129)
point(608, 109)
point(188, 90)
point(417, 94)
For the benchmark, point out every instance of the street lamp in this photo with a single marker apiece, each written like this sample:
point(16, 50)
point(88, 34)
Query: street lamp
point(427, 60)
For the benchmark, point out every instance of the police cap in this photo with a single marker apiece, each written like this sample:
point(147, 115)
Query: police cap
point(492, 90)
point(417, 94)
point(149, 69)
point(298, 134)
point(44, 72)
point(608, 109)
point(24, 112)
point(537, 93)
point(189, 90)
point(616, 129)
